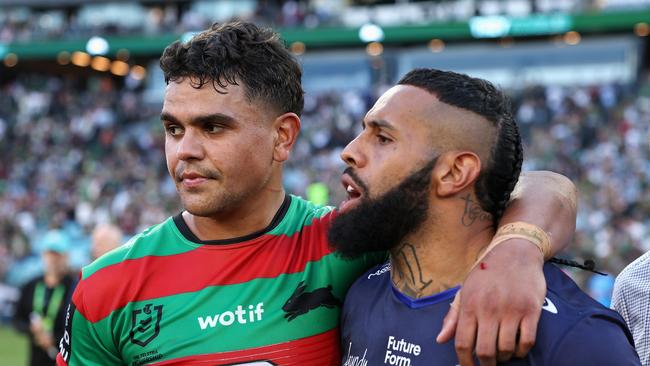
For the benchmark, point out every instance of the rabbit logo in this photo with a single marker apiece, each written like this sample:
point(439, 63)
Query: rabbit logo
point(302, 302)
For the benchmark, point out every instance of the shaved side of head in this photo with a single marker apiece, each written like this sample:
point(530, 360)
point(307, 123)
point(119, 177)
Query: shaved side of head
point(474, 115)
point(462, 130)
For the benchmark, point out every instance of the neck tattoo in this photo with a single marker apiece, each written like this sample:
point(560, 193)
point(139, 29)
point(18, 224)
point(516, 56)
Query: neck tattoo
point(407, 272)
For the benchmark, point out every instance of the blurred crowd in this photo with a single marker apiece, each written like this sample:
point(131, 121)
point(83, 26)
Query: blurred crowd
point(81, 152)
point(597, 136)
point(75, 153)
point(79, 20)
point(21, 24)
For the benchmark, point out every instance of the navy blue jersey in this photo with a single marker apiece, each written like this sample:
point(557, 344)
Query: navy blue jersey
point(381, 326)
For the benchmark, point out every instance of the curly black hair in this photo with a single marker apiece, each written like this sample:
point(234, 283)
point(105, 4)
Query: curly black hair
point(500, 175)
point(234, 53)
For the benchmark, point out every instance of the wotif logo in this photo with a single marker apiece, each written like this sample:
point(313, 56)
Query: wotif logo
point(228, 318)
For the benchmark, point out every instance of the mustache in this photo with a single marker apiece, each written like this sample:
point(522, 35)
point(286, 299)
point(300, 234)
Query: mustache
point(349, 171)
point(182, 168)
point(381, 223)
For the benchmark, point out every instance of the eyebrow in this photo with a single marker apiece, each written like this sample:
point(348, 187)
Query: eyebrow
point(200, 120)
point(379, 123)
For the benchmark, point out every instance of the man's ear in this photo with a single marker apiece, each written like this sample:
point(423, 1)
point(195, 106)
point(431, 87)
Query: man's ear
point(455, 171)
point(286, 129)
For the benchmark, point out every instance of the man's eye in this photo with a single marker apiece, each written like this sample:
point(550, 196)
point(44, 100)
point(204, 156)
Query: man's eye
point(382, 139)
point(173, 130)
point(213, 128)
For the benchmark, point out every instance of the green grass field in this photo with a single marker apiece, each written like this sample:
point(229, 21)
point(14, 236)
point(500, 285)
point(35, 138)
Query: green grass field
point(13, 347)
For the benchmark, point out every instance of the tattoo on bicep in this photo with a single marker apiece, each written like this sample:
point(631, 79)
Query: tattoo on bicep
point(472, 212)
point(410, 279)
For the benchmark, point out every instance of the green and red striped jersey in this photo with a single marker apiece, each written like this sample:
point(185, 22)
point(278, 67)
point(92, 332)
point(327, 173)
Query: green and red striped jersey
point(166, 298)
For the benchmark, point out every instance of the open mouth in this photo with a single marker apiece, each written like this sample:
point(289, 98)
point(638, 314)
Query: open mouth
point(354, 193)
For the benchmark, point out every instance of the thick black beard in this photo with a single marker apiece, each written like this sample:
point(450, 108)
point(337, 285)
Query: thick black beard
point(380, 224)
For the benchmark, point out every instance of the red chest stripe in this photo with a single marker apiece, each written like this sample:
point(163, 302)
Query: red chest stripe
point(114, 286)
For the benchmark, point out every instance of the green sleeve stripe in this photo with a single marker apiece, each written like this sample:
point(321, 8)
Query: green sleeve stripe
point(91, 345)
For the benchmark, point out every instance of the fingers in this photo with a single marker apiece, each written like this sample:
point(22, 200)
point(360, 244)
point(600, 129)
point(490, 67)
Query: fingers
point(450, 322)
point(528, 332)
point(486, 341)
point(491, 317)
point(507, 341)
point(448, 326)
point(465, 339)
point(490, 340)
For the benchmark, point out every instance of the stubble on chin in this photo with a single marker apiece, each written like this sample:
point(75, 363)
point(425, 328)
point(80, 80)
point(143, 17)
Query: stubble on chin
point(204, 204)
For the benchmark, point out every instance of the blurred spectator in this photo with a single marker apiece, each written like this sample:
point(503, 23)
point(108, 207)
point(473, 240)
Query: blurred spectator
point(105, 237)
point(41, 307)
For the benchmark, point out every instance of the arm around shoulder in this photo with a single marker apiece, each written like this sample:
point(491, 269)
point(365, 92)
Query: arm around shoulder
point(547, 200)
point(541, 210)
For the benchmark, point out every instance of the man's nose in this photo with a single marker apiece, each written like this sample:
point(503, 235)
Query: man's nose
point(352, 154)
point(190, 147)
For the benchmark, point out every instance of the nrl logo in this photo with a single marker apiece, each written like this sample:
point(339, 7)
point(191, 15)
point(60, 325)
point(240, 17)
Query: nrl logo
point(145, 324)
